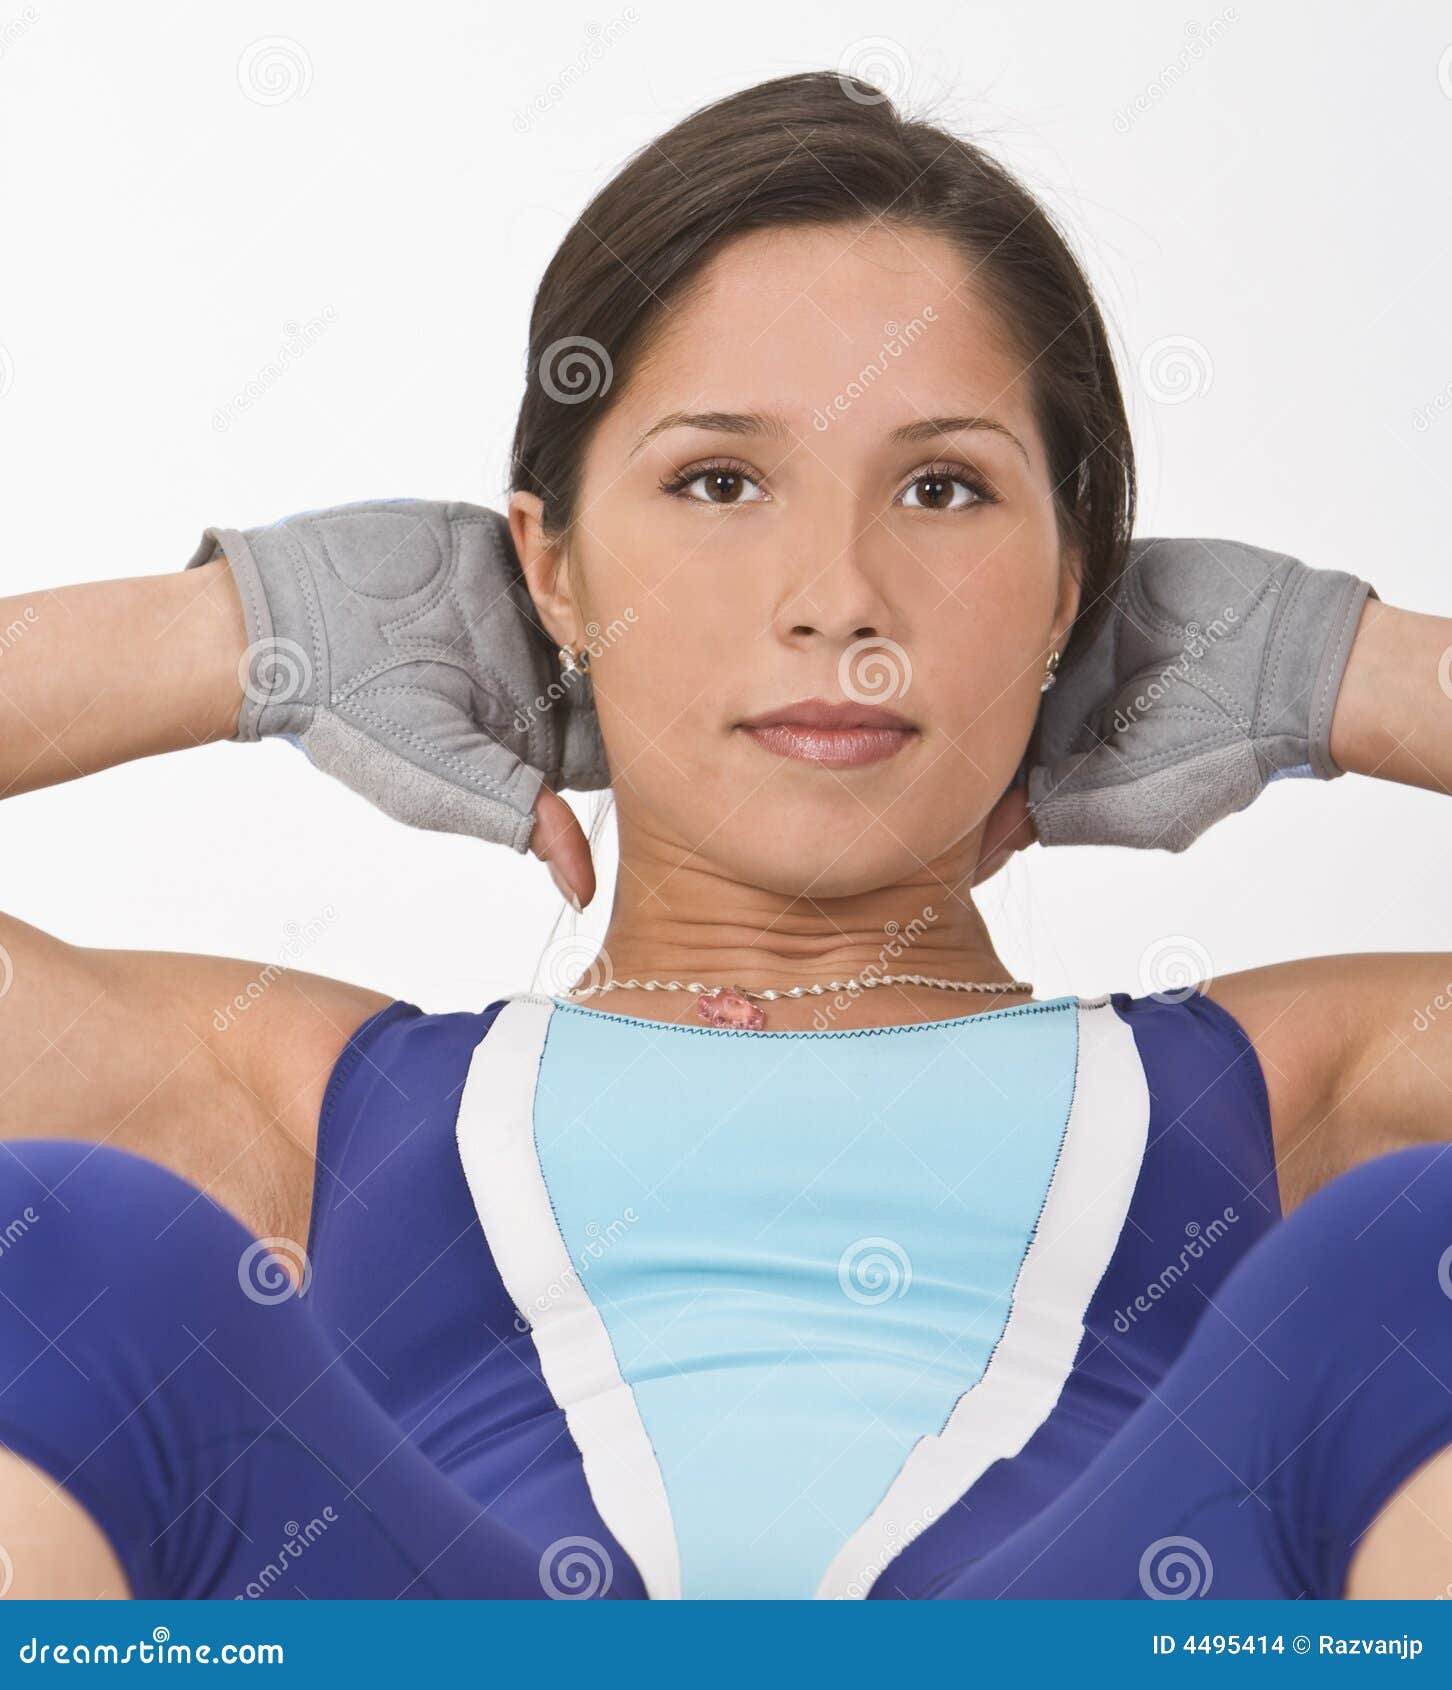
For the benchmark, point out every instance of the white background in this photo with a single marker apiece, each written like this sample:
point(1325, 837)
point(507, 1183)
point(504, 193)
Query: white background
point(1263, 186)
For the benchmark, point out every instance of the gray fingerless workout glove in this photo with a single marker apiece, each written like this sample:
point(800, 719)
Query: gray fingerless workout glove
point(395, 641)
point(1214, 671)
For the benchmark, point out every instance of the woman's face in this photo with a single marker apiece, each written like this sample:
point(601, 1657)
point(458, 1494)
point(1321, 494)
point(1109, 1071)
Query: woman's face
point(790, 504)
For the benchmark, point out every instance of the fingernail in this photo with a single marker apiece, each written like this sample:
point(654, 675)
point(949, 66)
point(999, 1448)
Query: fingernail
point(562, 886)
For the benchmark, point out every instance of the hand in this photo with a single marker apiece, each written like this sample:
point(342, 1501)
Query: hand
point(396, 643)
point(1213, 669)
point(1009, 829)
point(559, 842)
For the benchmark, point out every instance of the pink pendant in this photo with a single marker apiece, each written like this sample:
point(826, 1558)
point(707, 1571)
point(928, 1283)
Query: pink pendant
point(726, 1007)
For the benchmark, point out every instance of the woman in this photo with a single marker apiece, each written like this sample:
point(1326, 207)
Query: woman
point(909, 1284)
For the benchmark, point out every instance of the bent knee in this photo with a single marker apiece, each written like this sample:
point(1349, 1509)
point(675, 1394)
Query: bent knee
point(1400, 1201)
point(1377, 1237)
point(73, 1212)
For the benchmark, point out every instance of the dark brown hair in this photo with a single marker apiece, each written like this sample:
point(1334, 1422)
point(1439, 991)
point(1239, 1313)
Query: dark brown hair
point(822, 148)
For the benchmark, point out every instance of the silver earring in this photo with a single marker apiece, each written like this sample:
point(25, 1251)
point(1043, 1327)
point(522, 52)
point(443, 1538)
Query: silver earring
point(1051, 672)
point(572, 663)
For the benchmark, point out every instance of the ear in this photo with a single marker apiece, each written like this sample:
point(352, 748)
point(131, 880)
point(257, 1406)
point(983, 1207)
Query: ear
point(546, 573)
point(1066, 607)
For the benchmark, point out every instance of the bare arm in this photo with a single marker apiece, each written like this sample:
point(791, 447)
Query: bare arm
point(1394, 711)
point(137, 1048)
point(95, 675)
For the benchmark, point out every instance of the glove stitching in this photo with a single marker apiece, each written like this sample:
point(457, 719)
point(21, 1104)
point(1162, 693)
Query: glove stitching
point(1344, 630)
point(439, 588)
point(1130, 766)
point(354, 588)
point(1270, 677)
point(412, 687)
point(1154, 762)
point(1211, 688)
point(1135, 589)
point(436, 589)
point(435, 653)
point(541, 751)
point(296, 557)
point(1195, 710)
point(255, 606)
point(1223, 731)
point(538, 753)
point(434, 753)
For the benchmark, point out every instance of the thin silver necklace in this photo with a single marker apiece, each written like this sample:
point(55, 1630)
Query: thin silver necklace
point(731, 1006)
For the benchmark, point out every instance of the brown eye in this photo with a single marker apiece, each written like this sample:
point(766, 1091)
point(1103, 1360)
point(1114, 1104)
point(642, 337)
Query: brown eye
point(939, 492)
point(720, 484)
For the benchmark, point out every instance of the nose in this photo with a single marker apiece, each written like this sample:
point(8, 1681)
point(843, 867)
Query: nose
point(833, 595)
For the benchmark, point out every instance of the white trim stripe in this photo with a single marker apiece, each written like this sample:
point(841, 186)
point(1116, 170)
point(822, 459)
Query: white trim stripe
point(1083, 1216)
point(506, 1182)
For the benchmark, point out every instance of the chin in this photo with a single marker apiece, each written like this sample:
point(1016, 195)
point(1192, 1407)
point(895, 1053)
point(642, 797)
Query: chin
point(827, 864)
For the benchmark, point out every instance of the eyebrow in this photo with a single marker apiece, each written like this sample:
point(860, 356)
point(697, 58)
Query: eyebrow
point(756, 422)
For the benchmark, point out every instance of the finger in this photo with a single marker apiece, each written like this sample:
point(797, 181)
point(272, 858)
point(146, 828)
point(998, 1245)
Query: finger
point(1010, 827)
point(559, 842)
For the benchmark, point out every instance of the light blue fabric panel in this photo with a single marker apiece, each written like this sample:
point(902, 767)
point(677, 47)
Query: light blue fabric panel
point(787, 1351)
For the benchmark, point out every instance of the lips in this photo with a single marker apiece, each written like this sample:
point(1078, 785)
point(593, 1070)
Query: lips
point(839, 736)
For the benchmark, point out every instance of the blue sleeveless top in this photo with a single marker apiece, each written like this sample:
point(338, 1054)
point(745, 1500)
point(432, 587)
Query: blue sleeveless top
point(785, 1314)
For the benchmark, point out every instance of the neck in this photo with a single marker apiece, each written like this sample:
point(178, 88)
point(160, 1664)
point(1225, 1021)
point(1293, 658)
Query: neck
point(677, 918)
